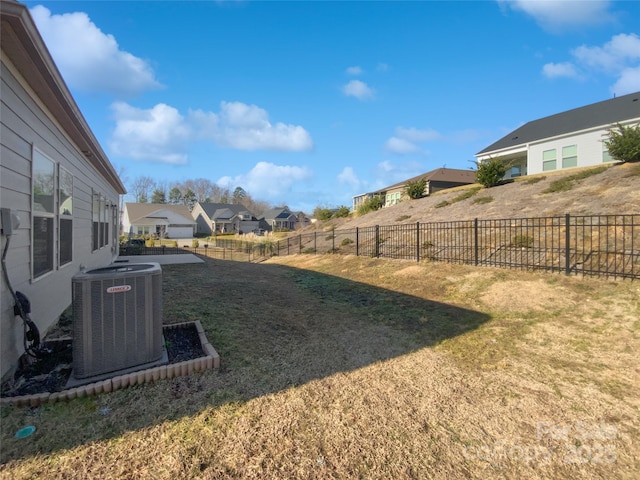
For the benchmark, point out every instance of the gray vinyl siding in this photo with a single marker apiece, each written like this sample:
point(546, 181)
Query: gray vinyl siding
point(25, 126)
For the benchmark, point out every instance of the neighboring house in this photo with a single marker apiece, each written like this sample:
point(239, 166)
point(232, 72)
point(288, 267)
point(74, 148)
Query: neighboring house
point(280, 219)
point(54, 176)
point(158, 219)
point(212, 218)
point(566, 140)
point(436, 180)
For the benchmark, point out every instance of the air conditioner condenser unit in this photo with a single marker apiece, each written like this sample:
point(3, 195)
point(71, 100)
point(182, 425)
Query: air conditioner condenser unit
point(117, 318)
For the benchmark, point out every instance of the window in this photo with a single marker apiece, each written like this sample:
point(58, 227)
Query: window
point(43, 188)
point(570, 156)
point(95, 212)
point(606, 156)
point(549, 160)
point(65, 221)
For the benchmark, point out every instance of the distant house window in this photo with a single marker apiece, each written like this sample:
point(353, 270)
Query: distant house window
point(65, 221)
point(570, 156)
point(43, 188)
point(549, 160)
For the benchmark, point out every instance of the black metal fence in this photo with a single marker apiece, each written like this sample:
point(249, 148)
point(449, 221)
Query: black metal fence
point(599, 245)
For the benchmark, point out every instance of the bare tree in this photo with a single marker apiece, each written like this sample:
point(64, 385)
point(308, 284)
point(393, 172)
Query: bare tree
point(141, 188)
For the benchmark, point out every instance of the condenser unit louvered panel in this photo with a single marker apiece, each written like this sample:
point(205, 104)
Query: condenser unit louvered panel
point(117, 318)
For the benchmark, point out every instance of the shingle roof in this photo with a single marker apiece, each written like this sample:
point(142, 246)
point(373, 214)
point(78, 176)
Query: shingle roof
point(605, 113)
point(440, 175)
point(223, 210)
point(138, 211)
point(276, 213)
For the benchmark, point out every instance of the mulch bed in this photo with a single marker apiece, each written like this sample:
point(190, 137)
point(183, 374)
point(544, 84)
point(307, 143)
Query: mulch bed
point(51, 372)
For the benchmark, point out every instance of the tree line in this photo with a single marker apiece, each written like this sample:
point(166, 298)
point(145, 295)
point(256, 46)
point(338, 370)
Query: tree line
point(189, 192)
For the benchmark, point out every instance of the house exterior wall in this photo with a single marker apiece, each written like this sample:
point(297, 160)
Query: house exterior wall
point(203, 222)
point(28, 126)
point(589, 147)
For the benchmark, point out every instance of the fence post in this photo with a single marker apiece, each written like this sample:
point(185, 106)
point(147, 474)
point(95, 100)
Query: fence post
point(357, 241)
point(418, 242)
point(377, 241)
point(567, 244)
point(475, 242)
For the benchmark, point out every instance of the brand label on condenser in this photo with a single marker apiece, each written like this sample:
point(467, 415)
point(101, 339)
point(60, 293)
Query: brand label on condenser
point(119, 289)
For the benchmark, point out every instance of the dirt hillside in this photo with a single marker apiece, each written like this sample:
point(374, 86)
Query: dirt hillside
point(613, 191)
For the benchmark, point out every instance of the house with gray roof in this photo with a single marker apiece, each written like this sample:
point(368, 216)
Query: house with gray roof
point(213, 218)
point(281, 218)
point(158, 219)
point(436, 180)
point(565, 140)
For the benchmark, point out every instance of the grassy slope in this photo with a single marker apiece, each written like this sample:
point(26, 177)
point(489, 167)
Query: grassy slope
point(612, 191)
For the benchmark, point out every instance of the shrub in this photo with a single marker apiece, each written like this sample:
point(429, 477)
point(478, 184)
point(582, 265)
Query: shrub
point(490, 172)
point(342, 212)
point(415, 189)
point(370, 205)
point(150, 243)
point(309, 250)
point(443, 203)
point(624, 143)
point(195, 243)
point(322, 213)
point(346, 241)
point(524, 241)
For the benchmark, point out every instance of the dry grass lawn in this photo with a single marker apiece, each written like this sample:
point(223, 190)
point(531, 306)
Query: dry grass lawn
point(346, 367)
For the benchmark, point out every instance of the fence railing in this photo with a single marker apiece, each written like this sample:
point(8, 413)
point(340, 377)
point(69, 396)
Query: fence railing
point(598, 245)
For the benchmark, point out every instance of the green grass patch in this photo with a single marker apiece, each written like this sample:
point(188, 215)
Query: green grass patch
point(565, 184)
point(482, 200)
point(533, 180)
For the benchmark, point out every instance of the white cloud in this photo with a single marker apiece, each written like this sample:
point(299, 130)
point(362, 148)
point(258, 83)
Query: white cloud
point(348, 176)
point(89, 59)
point(564, 69)
point(618, 58)
point(388, 173)
point(406, 139)
point(415, 135)
point(247, 127)
point(161, 134)
point(401, 146)
point(156, 135)
point(358, 89)
point(382, 67)
point(613, 56)
point(628, 82)
point(267, 180)
point(559, 15)
point(355, 70)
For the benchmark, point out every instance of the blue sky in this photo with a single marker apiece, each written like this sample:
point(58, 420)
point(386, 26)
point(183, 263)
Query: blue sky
point(310, 103)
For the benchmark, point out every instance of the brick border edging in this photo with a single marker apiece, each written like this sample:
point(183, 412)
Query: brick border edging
point(180, 369)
